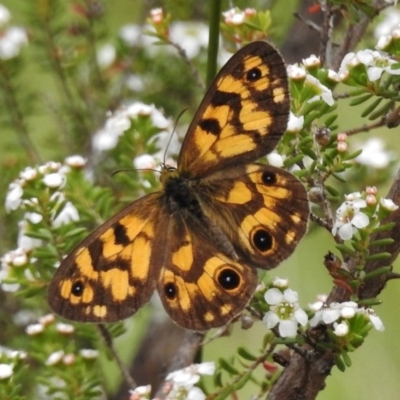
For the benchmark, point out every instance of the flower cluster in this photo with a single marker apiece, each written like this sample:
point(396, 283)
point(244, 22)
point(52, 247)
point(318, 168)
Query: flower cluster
point(12, 38)
point(123, 120)
point(340, 315)
point(179, 384)
point(9, 360)
point(38, 193)
point(307, 81)
point(350, 218)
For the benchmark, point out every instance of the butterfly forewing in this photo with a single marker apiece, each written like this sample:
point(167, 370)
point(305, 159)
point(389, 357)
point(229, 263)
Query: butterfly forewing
point(264, 211)
point(242, 116)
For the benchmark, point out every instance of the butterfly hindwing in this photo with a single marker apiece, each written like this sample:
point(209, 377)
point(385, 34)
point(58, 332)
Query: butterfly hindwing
point(201, 287)
point(243, 114)
point(109, 276)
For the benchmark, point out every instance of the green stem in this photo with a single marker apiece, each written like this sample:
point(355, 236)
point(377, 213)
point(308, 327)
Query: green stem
point(213, 40)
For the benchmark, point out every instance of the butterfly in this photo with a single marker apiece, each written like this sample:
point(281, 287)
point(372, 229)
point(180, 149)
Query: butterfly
point(218, 216)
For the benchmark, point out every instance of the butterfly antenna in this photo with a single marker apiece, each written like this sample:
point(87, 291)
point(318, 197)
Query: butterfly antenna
point(173, 131)
point(133, 169)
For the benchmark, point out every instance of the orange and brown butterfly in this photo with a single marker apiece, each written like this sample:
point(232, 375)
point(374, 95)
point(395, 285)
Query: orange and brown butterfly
point(218, 216)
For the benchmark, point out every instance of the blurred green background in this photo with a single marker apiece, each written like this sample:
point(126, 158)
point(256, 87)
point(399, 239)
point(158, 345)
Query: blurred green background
point(375, 373)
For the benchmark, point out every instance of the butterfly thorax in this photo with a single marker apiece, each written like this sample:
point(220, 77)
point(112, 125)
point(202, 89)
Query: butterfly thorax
point(179, 191)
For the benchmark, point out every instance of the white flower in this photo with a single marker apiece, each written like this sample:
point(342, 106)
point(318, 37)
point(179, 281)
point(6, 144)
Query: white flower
point(6, 371)
point(28, 174)
point(11, 42)
point(330, 314)
point(349, 218)
point(16, 258)
point(106, 55)
point(89, 354)
point(374, 154)
point(47, 319)
point(144, 161)
point(14, 196)
point(312, 61)
point(284, 311)
point(388, 204)
point(183, 381)
point(68, 214)
point(55, 357)
point(341, 329)
point(376, 321)
point(65, 328)
point(280, 283)
point(54, 180)
point(391, 19)
point(141, 392)
point(135, 82)
point(295, 123)
point(25, 242)
point(234, 16)
point(296, 72)
point(130, 34)
point(191, 36)
point(275, 159)
point(5, 15)
point(75, 161)
point(323, 92)
point(34, 329)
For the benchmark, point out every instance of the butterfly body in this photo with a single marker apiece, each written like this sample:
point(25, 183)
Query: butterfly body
point(217, 217)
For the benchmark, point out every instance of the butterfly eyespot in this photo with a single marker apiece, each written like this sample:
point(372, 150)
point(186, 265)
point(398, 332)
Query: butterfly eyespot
point(253, 75)
point(262, 240)
point(77, 288)
point(170, 291)
point(269, 178)
point(229, 279)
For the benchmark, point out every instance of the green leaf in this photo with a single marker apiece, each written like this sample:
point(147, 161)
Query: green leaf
point(378, 256)
point(345, 250)
point(228, 367)
point(371, 107)
point(377, 272)
point(246, 354)
point(382, 242)
point(360, 99)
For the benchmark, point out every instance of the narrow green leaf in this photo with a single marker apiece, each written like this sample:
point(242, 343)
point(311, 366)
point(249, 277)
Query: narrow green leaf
point(309, 152)
point(330, 120)
point(369, 302)
point(378, 256)
point(246, 354)
point(385, 227)
point(377, 272)
point(340, 364)
point(345, 250)
point(371, 107)
point(381, 111)
point(346, 358)
point(353, 155)
point(227, 367)
point(360, 99)
point(382, 242)
point(332, 191)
